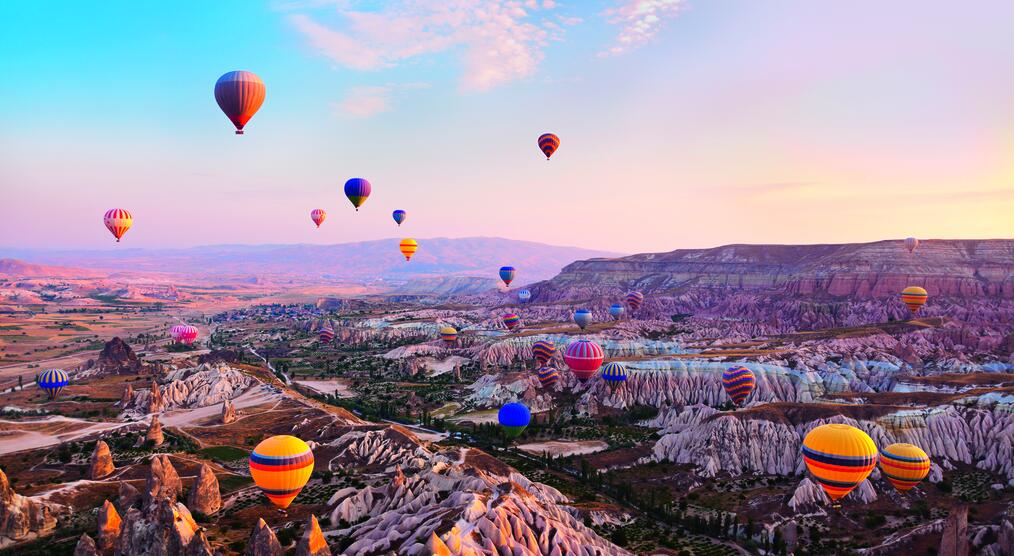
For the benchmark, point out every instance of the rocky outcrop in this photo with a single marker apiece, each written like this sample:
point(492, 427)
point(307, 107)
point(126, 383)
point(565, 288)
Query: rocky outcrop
point(22, 517)
point(117, 358)
point(166, 527)
point(85, 546)
point(954, 541)
point(201, 386)
point(809, 496)
point(437, 547)
point(109, 525)
point(127, 397)
point(312, 543)
point(154, 434)
point(263, 541)
point(199, 545)
point(155, 402)
point(101, 463)
point(228, 412)
point(163, 481)
point(127, 496)
point(204, 496)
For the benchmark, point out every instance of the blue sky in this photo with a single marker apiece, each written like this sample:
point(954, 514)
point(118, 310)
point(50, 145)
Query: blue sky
point(683, 124)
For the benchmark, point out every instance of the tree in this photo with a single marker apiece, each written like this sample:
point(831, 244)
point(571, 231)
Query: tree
point(618, 537)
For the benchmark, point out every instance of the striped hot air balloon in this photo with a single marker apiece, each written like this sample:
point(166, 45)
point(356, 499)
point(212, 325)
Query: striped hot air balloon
point(914, 298)
point(514, 418)
point(240, 95)
point(280, 466)
point(408, 247)
point(584, 357)
point(582, 317)
point(326, 334)
point(911, 243)
point(507, 274)
point(543, 351)
point(839, 457)
point(511, 320)
point(358, 190)
point(614, 372)
point(449, 335)
point(399, 216)
point(905, 465)
point(53, 382)
point(183, 334)
point(634, 300)
point(118, 221)
point(739, 382)
point(616, 311)
point(318, 216)
point(524, 296)
point(548, 143)
point(548, 376)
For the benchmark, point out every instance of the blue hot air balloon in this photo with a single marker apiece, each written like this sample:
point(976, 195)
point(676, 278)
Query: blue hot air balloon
point(399, 216)
point(582, 317)
point(507, 275)
point(524, 295)
point(514, 418)
point(616, 311)
point(53, 381)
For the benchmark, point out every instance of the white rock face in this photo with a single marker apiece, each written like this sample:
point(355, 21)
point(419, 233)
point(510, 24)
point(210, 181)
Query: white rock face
point(204, 385)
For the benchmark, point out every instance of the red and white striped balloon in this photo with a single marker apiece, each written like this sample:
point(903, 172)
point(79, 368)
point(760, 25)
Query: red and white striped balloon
point(118, 221)
point(184, 333)
point(318, 216)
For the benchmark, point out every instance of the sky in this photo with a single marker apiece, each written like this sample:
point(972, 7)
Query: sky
point(683, 123)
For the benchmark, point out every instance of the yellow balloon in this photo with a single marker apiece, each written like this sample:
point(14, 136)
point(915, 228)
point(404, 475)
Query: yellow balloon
point(408, 247)
point(839, 457)
point(280, 466)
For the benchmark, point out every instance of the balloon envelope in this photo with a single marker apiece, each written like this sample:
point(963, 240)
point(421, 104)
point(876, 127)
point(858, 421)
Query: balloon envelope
point(358, 190)
point(543, 351)
point(183, 333)
point(399, 216)
point(548, 376)
point(280, 466)
point(839, 457)
point(614, 372)
point(449, 335)
point(738, 382)
point(408, 247)
point(507, 274)
point(911, 243)
point(582, 317)
point(634, 300)
point(512, 320)
point(524, 296)
point(904, 465)
point(514, 418)
point(584, 357)
point(318, 216)
point(53, 381)
point(326, 334)
point(548, 143)
point(240, 95)
point(118, 221)
point(616, 311)
point(914, 298)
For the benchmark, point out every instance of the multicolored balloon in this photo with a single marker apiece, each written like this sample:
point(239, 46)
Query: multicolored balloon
point(739, 382)
point(449, 335)
point(582, 317)
point(524, 296)
point(839, 457)
point(326, 334)
point(548, 143)
point(53, 382)
point(358, 190)
point(511, 320)
point(616, 311)
point(548, 376)
point(543, 351)
point(914, 298)
point(318, 216)
point(399, 216)
point(584, 357)
point(634, 300)
point(280, 467)
point(183, 334)
point(614, 372)
point(911, 243)
point(514, 418)
point(118, 221)
point(904, 465)
point(507, 275)
point(408, 247)
point(240, 95)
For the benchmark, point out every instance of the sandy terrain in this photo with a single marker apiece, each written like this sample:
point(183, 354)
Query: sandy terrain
point(564, 447)
point(26, 435)
point(339, 387)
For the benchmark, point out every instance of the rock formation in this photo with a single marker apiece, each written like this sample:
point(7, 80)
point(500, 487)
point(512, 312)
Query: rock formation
point(228, 412)
point(954, 541)
point(201, 386)
point(312, 543)
point(127, 397)
point(116, 357)
point(128, 496)
point(22, 516)
point(199, 545)
point(263, 541)
point(85, 546)
point(204, 495)
point(437, 547)
point(166, 527)
point(154, 434)
point(155, 401)
point(163, 481)
point(109, 524)
point(101, 461)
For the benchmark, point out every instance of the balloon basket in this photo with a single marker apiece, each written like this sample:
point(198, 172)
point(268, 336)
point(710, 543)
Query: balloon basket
point(239, 132)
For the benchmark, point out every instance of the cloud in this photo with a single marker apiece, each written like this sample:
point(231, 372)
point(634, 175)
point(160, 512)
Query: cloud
point(497, 41)
point(639, 22)
point(369, 100)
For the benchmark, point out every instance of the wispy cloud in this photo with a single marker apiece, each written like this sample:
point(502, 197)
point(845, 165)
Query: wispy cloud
point(370, 100)
point(498, 41)
point(639, 21)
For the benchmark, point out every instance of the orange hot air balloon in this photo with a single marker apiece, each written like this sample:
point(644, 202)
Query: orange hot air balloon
point(318, 216)
point(280, 466)
point(914, 298)
point(240, 95)
point(548, 143)
point(904, 465)
point(118, 221)
point(839, 457)
point(408, 247)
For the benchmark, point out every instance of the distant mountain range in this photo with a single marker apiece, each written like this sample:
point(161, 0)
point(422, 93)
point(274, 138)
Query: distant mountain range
point(371, 262)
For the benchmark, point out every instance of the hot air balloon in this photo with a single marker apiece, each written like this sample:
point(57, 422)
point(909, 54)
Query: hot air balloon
point(318, 216)
point(53, 381)
point(507, 275)
point(280, 466)
point(634, 300)
point(326, 334)
point(582, 317)
point(738, 382)
point(449, 335)
point(616, 311)
point(548, 143)
point(614, 372)
point(911, 243)
point(548, 376)
point(914, 297)
point(118, 221)
point(408, 247)
point(399, 216)
point(357, 190)
point(524, 296)
point(183, 334)
point(514, 418)
point(584, 357)
point(839, 457)
point(904, 465)
point(543, 351)
point(512, 320)
point(240, 95)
